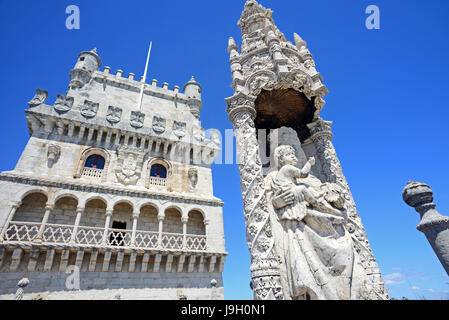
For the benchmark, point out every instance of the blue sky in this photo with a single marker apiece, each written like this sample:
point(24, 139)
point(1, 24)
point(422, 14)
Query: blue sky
point(387, 99)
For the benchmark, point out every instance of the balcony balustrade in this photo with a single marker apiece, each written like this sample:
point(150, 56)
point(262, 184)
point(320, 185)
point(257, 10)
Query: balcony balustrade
point(92, 173)
point(28, 232)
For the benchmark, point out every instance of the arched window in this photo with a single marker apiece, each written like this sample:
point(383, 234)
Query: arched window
point(95, 161)
point(158, 171)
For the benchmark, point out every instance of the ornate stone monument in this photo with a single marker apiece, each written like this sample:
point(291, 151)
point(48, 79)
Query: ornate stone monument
point(434, 225)
point(117, 196)
point(304, 233)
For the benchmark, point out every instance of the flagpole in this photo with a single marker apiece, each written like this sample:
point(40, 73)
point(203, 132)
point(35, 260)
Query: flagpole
point(139, 106)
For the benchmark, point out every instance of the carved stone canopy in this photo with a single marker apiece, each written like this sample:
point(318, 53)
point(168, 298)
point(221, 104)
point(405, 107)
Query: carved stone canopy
point(284, 107)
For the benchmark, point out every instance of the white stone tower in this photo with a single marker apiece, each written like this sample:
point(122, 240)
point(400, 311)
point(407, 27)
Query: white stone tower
point(124, 196)
point(276, 85)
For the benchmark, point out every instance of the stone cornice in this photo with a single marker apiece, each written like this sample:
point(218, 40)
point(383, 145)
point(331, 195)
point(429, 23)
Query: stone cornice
point(116, 190)
point(27, 246)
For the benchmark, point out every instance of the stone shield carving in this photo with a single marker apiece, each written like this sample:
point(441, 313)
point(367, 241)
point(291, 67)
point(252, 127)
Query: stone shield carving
point(63, 103)
point(159, 124)
point(179, 129)
point(114, 114)
point(53, 153)
point(198, 133)
point(89, 109)
point(193, 177)
point(130, 165)
point(39, 98)
point(137, 119)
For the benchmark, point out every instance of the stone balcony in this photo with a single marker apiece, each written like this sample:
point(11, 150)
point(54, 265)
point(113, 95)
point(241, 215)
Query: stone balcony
point(57, 234)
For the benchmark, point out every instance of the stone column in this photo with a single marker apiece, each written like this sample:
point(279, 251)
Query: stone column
point(265, 273)
point(48, 209)
point(207, 232)
point(12, 212)
point(434, 225)
point(107, 225)
point(160, 218)
point(321, 136)
point(184, 231)
point(133, 234)
point(79, 214)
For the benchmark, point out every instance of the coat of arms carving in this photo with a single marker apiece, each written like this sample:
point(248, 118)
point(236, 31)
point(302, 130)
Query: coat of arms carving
point(159, 124)
point(39, 98)
point(114, 114)
point(130, 165)
point(89, 109)
point(137, 119)
point(179, 129)
point(63, 103)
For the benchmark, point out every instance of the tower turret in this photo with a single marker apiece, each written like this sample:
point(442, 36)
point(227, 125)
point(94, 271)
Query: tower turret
point(88, 62)
point(192, 90)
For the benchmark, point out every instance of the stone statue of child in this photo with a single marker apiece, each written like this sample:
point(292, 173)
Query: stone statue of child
point(304, 195)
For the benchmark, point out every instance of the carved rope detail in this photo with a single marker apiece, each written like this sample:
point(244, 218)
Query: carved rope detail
point(265, 272)
point(321, 135)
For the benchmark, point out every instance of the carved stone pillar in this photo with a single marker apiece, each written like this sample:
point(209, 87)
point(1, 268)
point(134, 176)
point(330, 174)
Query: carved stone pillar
point(321, 136)
point(48, 209)
point(79, 213)
point(133, 234)
point(11, 214)
point(184, 231)
point(434, 225)
point(265, 272)
point(160, 218)
point(106, 225)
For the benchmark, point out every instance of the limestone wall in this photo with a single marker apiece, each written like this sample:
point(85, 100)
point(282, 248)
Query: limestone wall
point(106, 285)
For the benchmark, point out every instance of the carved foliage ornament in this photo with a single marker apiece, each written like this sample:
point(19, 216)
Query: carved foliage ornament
point(114, 114)
point(89, 109)
point(63, 103)
point(39, 98)
point(137, 119)
point(263, 79)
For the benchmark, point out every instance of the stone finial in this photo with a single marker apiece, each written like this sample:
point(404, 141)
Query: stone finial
point(299, 41)
point(418, 195)
point(232, 46)
point(23, 283)
point(434, 225)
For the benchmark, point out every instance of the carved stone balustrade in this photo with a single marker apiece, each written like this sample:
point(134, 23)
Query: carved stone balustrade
point(26, 232)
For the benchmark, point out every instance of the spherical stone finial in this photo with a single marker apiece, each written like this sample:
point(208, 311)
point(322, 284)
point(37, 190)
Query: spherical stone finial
point(23, 283)
point(418, 195)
